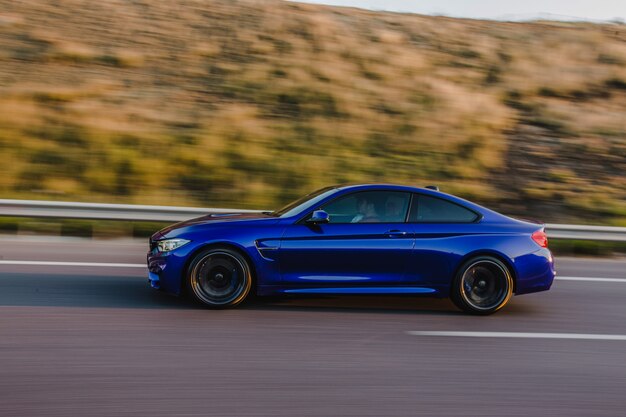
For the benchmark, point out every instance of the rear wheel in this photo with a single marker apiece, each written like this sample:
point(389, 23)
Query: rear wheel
point(483, 285)
point(219, 278)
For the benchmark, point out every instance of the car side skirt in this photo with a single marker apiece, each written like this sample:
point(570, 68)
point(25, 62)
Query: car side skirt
point(275, 289)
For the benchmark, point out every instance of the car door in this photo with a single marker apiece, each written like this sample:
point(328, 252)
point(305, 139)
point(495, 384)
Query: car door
point(366, 242)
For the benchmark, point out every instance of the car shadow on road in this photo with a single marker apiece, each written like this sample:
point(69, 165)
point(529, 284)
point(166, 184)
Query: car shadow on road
point(372, 304)
point(354, 304)
point(20, 289)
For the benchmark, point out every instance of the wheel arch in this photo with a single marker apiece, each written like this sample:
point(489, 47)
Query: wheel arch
point(508, 262)
point(223, 244)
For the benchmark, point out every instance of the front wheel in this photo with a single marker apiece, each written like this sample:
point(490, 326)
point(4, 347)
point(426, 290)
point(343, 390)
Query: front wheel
point(219, 278)
point(483, 286)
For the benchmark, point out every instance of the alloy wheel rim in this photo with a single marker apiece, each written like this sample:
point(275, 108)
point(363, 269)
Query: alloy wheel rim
point(219, 278)
point(485, 285)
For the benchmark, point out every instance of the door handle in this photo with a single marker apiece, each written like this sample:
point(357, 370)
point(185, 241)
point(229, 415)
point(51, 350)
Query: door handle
point(395, 233)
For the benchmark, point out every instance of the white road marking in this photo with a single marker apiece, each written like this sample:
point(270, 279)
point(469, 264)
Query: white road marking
point(513, 335)
point(591, 279)
point(52, 263)
point(123, 265)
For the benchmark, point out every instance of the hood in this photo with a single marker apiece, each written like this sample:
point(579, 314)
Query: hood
point(214, 218)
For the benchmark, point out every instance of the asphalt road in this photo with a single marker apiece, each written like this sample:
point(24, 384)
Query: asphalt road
point(96, 341)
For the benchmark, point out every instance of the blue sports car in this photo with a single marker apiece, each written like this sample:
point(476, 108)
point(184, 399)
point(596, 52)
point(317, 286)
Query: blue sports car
point(357, 239)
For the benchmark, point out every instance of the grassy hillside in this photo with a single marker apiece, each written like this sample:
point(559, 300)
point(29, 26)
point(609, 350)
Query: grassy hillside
point(251, 103)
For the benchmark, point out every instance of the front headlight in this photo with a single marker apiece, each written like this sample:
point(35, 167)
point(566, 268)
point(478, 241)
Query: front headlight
point(170, 244)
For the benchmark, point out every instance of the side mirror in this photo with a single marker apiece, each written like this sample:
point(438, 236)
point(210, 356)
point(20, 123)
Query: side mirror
point(318, 217)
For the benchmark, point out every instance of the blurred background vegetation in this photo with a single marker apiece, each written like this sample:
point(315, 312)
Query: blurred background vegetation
point(253, 103)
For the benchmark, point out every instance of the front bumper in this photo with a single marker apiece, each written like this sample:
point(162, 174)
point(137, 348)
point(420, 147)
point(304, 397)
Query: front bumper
point(166, 269)
point(154, 280)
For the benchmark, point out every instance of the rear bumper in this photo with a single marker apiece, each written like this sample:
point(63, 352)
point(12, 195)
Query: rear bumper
point(535, 272)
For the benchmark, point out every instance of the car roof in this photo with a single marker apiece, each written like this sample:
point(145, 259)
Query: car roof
point(387, 186)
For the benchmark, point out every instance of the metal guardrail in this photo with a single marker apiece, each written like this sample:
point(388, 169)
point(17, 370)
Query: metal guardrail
point(97, 211)
point(583, 232)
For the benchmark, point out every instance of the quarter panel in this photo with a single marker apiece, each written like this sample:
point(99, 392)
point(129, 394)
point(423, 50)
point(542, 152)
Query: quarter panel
point(440, 249)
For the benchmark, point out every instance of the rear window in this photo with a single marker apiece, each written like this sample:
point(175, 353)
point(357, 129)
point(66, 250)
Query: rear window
point(426, 209)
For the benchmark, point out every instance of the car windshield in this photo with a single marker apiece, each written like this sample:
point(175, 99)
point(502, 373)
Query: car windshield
point(304, 202)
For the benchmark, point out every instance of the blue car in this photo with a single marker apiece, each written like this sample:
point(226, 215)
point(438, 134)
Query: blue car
point(357, 239)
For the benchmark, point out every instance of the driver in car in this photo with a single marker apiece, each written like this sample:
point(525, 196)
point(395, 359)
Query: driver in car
point(366, 212)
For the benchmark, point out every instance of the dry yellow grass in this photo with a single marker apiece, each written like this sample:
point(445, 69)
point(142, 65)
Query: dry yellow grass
point(251, 103)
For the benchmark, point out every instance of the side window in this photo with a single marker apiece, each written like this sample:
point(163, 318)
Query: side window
point(369, 207)
point(426, 209)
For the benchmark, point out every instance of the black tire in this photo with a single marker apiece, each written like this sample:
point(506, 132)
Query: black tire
point(482, 286)
point(219, 278)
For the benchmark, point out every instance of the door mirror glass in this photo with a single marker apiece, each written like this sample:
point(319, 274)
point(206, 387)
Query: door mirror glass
point(318, 217)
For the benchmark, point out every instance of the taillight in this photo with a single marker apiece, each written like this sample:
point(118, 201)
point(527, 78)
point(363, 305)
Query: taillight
point(540, 238)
